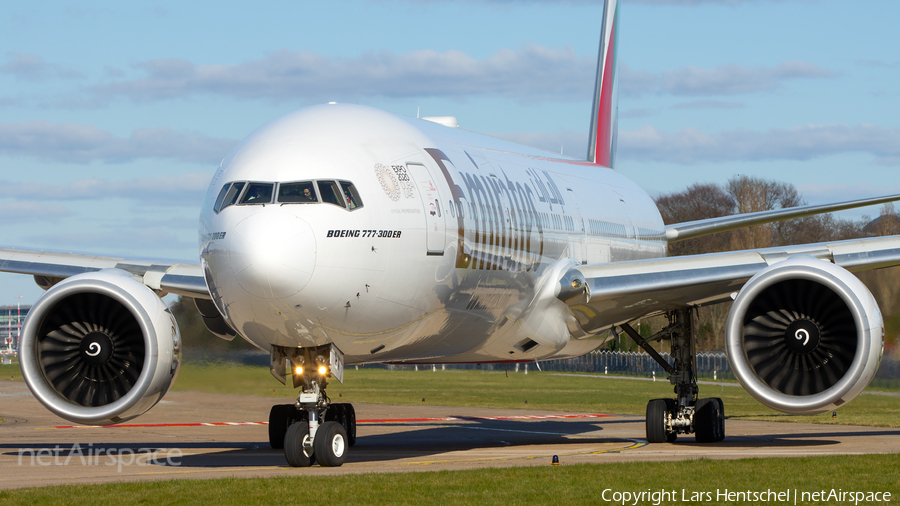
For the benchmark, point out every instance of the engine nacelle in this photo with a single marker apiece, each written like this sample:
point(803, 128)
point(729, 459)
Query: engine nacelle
point(804, 336)
point(99, 348)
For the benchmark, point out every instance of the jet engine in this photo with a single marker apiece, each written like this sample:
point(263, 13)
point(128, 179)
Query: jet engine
point(99, 348)
point(804, 336)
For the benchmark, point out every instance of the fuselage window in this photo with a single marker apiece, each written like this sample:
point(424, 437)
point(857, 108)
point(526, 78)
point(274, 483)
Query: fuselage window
point(257, 193)
point(232, 195)
point(221, 197)
point(330, 193)
point(303, 192)
point(351, 195)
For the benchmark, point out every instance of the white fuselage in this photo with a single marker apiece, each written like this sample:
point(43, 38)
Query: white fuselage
point(449, 252)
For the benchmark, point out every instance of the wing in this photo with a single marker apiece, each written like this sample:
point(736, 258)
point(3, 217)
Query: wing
point(601, 296)
point(689, 230)
point(49, 268)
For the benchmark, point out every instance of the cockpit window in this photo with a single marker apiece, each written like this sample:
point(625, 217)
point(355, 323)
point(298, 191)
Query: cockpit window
point(257, 193)
point(339, 193)
point(303, 192)
point(230, 196)
point(353, 200)
point(221, 197)
point(330, 193)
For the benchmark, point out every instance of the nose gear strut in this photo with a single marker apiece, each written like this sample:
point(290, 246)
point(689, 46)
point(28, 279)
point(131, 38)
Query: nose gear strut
point(313, 429)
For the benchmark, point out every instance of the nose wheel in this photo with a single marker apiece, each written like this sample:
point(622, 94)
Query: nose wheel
point(328, 443)
point(298, 446)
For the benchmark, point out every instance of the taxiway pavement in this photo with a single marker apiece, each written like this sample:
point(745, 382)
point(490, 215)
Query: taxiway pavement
point(191, 435)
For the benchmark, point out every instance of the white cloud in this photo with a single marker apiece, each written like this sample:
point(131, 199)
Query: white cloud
point(703, 2)
point(816, 193)
point(181, 190)
point(121, 241)
point(708, 104)
point(73, 143)
point(729, 79)
point(641, 112)
point(533, 71)
point(651, 2)
point(528, 74)
point(690, 146)
point(32, 67)
point(31, 211)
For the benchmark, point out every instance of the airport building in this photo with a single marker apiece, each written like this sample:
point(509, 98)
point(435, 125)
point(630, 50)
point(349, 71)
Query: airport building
point(11, 319)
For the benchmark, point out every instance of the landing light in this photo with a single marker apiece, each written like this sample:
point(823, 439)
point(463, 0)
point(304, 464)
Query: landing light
point(298, 370)
point(323, 370)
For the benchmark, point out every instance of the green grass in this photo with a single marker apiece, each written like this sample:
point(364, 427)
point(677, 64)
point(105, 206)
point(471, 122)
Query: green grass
point(542, 391)
point(563, 485)
point(11, 372)
point(570, 483)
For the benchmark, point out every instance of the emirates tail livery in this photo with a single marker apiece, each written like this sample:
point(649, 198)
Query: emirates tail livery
point(341, 234)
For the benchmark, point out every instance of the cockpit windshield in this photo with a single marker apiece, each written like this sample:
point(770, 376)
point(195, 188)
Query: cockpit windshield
point(228, 195)
point(339, 193)
point(331, 194)
point(257, 193)
point(353, 200)
point(303, 192)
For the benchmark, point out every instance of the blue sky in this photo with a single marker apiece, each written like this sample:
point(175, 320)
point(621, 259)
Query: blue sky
point(113, 115)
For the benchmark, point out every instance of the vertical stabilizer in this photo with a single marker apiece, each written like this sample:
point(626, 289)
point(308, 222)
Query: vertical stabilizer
point(604, 115)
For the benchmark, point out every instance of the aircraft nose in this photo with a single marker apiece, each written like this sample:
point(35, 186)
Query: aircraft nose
point(273, 254)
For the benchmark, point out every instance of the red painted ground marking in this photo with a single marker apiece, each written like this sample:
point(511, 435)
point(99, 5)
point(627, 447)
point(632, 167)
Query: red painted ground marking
point(383, 420)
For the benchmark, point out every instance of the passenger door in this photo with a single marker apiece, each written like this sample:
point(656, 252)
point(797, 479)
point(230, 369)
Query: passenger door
point(435, 230)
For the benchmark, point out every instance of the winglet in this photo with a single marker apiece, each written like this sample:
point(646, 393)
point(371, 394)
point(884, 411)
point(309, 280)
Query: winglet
point(604, 114)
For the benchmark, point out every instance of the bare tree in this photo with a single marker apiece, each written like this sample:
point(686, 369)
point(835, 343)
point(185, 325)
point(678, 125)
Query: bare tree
point(743, 194)
point(753, 194)
point(697, 202)
point(888, 222)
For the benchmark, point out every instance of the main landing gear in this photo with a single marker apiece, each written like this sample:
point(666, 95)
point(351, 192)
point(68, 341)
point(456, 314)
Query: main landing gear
point(313, 429)
point(687, 413)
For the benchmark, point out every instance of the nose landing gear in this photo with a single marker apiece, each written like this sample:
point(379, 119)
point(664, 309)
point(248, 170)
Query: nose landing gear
point(313, 429)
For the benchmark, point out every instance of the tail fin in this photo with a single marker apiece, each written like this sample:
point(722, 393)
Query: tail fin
point(604, 116)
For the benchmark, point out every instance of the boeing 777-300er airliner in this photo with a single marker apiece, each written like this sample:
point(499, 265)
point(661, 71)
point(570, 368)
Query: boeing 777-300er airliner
point(341, 234)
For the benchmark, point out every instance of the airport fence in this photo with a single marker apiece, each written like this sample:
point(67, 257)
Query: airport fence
point(712, 365)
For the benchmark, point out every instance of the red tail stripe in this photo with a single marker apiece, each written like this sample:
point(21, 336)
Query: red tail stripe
point(604, 118)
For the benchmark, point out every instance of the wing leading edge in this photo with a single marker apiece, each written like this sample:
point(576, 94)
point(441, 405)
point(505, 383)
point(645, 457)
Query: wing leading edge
point(48, 268)
point(601, 296)
point(689, 230)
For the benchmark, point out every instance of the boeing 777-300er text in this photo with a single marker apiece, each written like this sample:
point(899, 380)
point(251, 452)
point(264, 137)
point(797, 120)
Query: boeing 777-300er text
point(341, 234)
